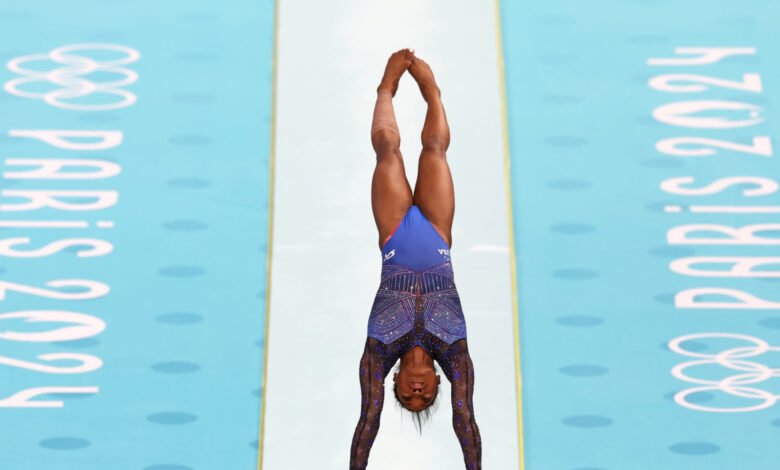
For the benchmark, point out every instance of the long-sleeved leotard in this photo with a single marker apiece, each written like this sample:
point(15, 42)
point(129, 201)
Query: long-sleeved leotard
point(416, 308)
point(456, 364)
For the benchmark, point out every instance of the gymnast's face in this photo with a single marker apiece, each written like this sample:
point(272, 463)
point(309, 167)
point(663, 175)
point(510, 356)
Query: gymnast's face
point(416, 386)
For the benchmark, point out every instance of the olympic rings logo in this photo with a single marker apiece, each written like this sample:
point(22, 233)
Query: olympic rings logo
point(70, 77)
point(738, 385)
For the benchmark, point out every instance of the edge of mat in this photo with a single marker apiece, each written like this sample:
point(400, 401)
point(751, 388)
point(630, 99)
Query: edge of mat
point(271, 186)
point(512, 258)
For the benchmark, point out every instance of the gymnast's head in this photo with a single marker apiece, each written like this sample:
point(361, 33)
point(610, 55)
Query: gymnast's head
point(416, 384)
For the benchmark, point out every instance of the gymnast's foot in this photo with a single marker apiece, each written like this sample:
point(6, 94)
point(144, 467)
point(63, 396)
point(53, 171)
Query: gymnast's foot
point(397, 64)
point(423, 74)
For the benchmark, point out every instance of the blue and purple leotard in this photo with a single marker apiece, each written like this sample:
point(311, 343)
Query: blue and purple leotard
point(417, 304)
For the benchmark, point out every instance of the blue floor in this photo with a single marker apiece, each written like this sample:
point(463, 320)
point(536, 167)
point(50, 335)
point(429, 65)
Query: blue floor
point(604, 318)
point(162, 334)
point(132, 319)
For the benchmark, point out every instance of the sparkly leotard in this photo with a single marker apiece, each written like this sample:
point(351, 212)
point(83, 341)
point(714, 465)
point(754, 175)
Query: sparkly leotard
point(417, 304)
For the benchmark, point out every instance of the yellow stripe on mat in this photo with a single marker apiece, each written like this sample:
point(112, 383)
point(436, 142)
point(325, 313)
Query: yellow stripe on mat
point(512, 259)
point(271, 184)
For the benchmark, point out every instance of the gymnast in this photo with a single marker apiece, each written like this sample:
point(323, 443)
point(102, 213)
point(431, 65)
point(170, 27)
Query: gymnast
point(416, 315)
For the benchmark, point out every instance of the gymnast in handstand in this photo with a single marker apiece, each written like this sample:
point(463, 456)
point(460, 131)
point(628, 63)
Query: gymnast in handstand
point(416, 315)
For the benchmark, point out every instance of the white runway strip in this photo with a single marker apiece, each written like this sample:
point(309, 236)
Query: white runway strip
point(326, 260)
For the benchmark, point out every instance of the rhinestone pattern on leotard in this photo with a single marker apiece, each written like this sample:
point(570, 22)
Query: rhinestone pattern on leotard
point(414, 308)
point(403, 291)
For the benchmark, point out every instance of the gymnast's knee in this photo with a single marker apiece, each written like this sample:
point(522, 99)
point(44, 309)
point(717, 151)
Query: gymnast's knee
point(435, 145)
point(386, 141)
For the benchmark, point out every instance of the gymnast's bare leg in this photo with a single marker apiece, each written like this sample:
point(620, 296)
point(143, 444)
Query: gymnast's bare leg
point(434, 192)
point(391, 195)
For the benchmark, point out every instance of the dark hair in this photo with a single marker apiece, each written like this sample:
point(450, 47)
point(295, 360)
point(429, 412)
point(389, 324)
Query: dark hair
point(418, 417)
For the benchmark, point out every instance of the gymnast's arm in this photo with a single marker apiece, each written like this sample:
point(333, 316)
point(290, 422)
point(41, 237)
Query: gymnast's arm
point(462, 379)
point(372, 388)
